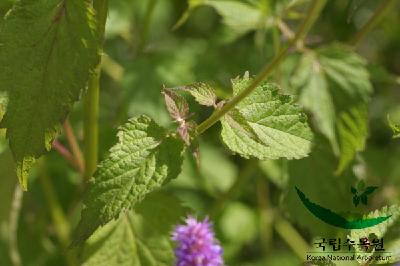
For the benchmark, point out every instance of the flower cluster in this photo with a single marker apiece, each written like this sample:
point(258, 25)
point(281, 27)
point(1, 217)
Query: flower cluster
point(196, 245)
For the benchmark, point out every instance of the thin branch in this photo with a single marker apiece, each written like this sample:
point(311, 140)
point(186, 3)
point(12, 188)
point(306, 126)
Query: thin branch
point(73, 143)
point(91, 99)
point(64, 152)
point(13, 226)
point(112, 68)
point(290, 235)
point(311, 16)
point(284, 28)
point(373, 21)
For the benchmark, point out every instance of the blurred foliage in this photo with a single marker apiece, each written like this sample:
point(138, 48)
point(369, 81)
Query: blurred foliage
point(214, 42)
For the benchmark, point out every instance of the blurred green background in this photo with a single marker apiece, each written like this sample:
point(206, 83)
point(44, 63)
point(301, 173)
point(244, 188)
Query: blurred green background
point(256, 214)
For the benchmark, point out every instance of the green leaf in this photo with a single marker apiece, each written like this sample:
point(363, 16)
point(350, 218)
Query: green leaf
point(138, 238)
point(44, 70)
point(203, 94)
point(238, 16)
point(380, 230)
point(356, 200)
point(315, 95)
point(266, 124)
point(346, 69)
point(144, 158)
point(177, 106)
point(370, 190)
point(352, 127)
point(334, 86)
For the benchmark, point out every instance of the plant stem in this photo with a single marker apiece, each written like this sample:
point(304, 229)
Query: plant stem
point(64, 152)
point(91, 101)
point(13, 226)
point(311, 16)
point(73, 143)
point(112, 68)
point(290, 235)
point(373, 21)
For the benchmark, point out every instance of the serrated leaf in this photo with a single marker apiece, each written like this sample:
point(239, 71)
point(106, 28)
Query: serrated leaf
point(379, 230)
point(315, 96)
point(144, 158)
point(176, 104)
point(203, 94)
point(44, 70)
point(138, 238)
point(332, 80)
point(352, 132)
point(266, 124)
point(185, 130)
point(347, 70)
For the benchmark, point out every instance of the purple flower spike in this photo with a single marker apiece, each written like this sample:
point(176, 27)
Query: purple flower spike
point(196, 244)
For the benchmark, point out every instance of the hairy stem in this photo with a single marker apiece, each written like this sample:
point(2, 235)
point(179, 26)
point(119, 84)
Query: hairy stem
point(91, 100)
point(373, 21)
point(13, 226)
point(311, 16)
point(91, 130)
point(73, 143)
